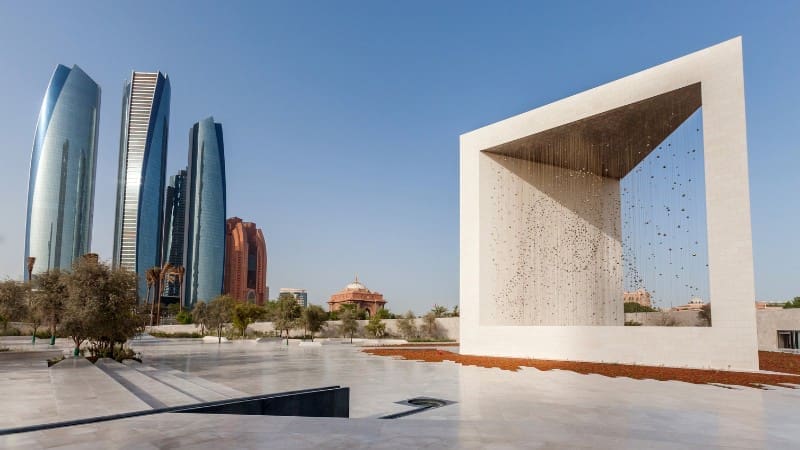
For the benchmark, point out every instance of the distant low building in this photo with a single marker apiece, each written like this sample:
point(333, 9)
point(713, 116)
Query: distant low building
point(640, 296)
point(695, 304)
point(769, 305)
point(357, 294)
point(299, 294)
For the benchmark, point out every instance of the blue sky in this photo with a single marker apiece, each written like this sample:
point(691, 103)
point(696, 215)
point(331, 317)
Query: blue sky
point(342, 119)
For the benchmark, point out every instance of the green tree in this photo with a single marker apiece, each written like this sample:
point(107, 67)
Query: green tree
point(633, 307)
point(166, 270)
point(456, 312)
point(358, 313)
point(407, 325)
point(384, 313)
point(439, 311)
point(313, 319)
point(244, 314)
point(35, 316)
point(704, 314)
point(184, 317)
point(173, 309)
point(200, 316)
point(794, 303)
point(49, 298)
point(13, 302)
point(220, 313)
point(376, 327)
point(430, 329)
point(349, 324)
point(287, 311)
point(100, 305)
point(270, 307)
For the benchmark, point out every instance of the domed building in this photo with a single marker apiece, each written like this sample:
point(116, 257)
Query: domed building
point(357, 294)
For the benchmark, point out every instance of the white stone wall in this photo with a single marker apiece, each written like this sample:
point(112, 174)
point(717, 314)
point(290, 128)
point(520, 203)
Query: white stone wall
point(559, 233)
point(772, 320)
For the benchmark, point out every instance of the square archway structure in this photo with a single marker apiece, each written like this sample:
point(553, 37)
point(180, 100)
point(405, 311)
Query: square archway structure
point(603, 133)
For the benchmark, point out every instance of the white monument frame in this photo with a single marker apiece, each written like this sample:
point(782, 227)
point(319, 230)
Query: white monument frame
point(731, 343)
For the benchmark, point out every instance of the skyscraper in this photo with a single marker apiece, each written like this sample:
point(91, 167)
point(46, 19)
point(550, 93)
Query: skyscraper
point(204, 239)
point(142, 168)
point(174, 229)
point(245, 262)
point(301, 295)
point(61, 182)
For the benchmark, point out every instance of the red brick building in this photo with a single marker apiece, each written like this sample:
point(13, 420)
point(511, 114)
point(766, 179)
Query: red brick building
point(357, 294)
point(245, 262)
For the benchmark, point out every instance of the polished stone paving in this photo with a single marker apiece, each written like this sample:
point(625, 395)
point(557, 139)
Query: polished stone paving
point(493, 409)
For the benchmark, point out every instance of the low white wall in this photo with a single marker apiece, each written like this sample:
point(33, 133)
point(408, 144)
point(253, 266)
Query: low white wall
point(665, 318)
point(191, 328)
point(448, 327)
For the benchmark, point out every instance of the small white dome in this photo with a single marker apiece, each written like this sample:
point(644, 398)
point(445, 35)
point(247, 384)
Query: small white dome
point(355, 285)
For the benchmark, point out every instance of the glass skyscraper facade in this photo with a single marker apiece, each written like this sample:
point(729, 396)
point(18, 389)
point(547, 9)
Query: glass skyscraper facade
point(204, 239)
point(62, 172)
point(174, 229)
point(142, 169)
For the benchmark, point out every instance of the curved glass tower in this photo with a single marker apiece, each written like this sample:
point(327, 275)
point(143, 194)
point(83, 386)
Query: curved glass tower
point(205, 213)
point(61, 182)
point(142, 171)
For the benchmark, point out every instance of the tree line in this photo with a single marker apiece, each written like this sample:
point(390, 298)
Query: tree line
point(95, 304)
point(287, 315)
point(91, 303)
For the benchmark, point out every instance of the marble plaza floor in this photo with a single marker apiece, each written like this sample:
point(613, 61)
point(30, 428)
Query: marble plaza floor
point(492, 409)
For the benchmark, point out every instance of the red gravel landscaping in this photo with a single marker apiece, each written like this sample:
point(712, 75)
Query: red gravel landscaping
point(789, 364)
point(423, 344)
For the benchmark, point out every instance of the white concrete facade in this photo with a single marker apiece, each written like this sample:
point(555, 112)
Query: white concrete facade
point(713, 78)
point(770, 321)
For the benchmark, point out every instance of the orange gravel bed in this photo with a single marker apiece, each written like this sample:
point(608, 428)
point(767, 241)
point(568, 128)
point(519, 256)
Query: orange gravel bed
point(421, 344)
point(772, 361)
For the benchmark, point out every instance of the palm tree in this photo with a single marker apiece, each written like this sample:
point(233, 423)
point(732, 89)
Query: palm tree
point(31, 263)
point(165, 270)
point(148, 275)
point(180, 271)
point(154, 274)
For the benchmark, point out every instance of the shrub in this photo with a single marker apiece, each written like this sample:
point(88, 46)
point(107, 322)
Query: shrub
point(179, 334)
point(430, 329)
point(42, 334)
point(10, 331)
point(184, 317)
point(122, 353)
point(407, 327)
point(376, 327)
point(632, 323)
point(633, 307)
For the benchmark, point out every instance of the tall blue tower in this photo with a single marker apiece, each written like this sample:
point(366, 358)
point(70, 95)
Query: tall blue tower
point(62, 175)
point(204, 239)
